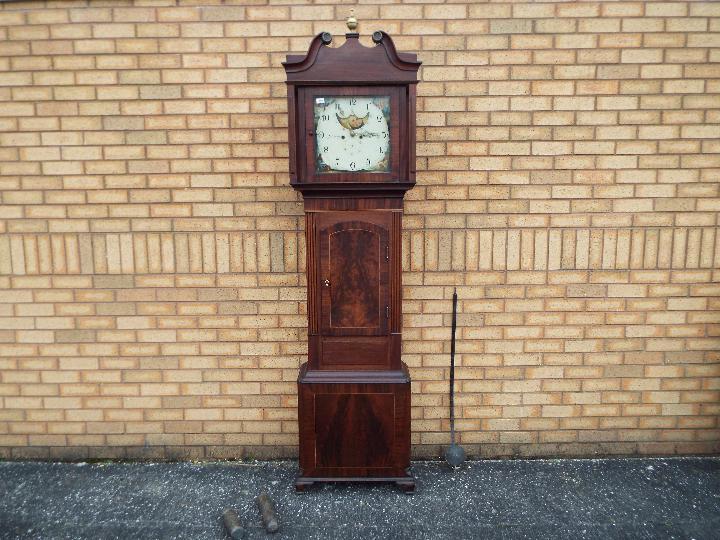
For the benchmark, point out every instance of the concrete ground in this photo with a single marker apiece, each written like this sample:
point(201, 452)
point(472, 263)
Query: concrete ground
point(596, 498)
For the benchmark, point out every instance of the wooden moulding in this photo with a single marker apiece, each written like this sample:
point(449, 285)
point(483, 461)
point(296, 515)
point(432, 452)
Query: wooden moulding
point(400, 376)
point(352, 62)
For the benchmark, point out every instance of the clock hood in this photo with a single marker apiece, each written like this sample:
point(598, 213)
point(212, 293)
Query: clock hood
point(352, 62)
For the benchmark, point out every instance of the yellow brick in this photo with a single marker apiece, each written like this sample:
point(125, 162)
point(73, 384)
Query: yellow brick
point(152, 263)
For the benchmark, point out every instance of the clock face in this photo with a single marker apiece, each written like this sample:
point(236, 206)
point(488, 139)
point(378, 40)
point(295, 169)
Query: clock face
point(352, 134)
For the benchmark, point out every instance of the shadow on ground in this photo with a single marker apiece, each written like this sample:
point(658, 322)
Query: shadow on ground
point(598, 498)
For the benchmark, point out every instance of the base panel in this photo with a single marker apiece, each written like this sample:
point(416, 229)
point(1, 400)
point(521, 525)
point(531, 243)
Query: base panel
point(354, 427)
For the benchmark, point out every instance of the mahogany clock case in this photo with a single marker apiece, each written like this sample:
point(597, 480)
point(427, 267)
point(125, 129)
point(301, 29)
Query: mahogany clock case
point(354, 391)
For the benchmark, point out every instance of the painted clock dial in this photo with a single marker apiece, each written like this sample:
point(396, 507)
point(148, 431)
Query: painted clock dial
point(352, 133)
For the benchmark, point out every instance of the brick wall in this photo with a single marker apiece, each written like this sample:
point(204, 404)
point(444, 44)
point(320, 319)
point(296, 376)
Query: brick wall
point(152, 299)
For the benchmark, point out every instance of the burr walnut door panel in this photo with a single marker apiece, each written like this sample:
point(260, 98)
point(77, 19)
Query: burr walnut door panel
point(354, 274)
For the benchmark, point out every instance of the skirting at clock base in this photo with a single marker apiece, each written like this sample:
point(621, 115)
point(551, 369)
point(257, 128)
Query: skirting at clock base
point(354, 427)
point(405, 483)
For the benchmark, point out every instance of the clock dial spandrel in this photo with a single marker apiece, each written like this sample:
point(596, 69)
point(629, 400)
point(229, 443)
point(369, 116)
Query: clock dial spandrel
point(352, 134)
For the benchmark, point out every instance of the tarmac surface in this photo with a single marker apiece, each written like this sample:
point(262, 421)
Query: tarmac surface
point(675, 498)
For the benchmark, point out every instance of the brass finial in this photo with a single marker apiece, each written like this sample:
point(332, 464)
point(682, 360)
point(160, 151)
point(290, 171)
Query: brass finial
point(351, 21)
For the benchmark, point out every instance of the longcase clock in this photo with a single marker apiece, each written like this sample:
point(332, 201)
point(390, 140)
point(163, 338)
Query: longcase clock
point(352, 156)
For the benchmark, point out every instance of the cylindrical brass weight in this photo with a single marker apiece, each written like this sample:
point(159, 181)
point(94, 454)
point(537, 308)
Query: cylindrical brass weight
point(233, 524)
point(267, 512)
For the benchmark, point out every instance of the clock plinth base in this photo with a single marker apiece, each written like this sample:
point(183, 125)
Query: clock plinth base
point(405, 484)
point(354, 427)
